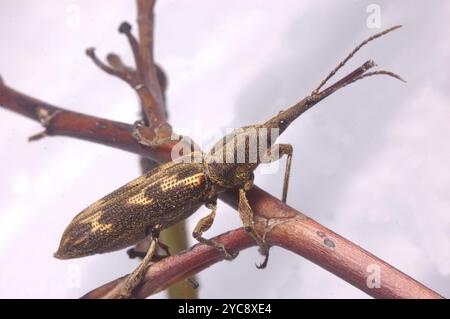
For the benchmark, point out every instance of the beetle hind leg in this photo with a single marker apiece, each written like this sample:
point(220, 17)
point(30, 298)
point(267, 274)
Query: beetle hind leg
point(140, 250)
point(135, 278)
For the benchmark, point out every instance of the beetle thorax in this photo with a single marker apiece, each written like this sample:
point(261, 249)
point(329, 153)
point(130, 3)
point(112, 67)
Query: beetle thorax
point(233, 159)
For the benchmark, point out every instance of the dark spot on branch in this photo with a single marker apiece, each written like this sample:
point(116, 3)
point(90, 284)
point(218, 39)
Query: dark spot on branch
point(320, 234)
point(329, 243)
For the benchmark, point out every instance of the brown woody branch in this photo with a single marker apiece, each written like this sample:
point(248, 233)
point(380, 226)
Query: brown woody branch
point(59, 121)
point(146, 78)
point(297, 233)
point(176, 236)
point(291, 230)
point(146, 25)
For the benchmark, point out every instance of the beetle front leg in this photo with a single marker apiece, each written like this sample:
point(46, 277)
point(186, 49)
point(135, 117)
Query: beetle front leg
point(246, 214)
point(203, 225)
point(274, 154)
point(157, 140)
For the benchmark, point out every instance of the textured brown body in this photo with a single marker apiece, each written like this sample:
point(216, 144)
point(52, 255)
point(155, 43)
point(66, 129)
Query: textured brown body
point(163, 196)
point(229, 168)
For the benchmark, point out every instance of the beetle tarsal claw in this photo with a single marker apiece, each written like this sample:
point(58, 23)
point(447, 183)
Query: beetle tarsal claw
point(265, 261)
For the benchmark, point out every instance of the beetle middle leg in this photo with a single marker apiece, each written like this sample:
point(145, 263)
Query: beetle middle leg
point(246, 214)
point(203, 225)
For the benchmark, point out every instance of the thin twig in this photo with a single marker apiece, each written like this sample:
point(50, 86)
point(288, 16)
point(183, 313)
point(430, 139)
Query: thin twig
point(120, 73)
point(125, 28)
point(82, 126)
point(146, 23)
point(147, 78)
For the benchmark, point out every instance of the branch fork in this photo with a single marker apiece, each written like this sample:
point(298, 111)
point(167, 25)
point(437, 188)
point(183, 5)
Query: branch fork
point(158, 131)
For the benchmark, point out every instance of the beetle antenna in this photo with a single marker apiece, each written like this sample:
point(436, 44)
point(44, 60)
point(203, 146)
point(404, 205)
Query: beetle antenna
point(341, 84)
point(340, 65)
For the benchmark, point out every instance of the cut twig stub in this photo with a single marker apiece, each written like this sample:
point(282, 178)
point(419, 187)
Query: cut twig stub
point(44, 116)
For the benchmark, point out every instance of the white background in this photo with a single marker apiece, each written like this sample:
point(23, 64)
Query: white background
point(371, 162)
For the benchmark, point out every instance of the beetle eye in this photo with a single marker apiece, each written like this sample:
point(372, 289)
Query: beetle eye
point(282, 123)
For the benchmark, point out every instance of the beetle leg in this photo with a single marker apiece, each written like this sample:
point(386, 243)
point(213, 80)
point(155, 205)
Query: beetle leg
point(134, 253)
point(135, 278)
point(274, 154)
point(203, 225)
point(157, 140)
point(246, 214)
point(140, 252)
point(141, 248)
point(164, 247)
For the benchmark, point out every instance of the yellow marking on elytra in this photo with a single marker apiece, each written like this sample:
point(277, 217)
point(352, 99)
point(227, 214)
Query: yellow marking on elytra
point(93, 207)
point(66, 241)
point(172, 182)
point(76, 242)
point(95, 224)
point(140, 199)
